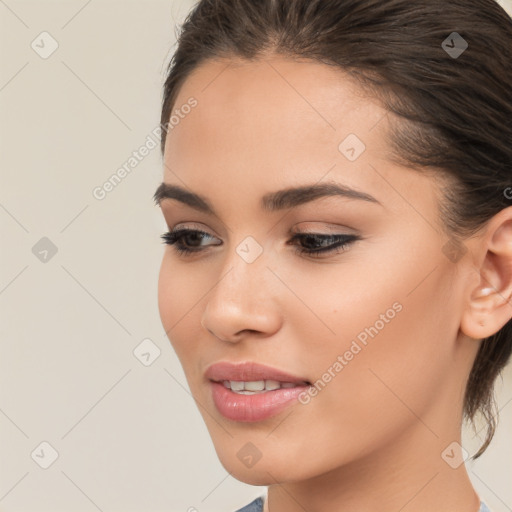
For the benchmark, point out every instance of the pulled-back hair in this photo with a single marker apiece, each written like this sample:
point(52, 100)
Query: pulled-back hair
point(453, 111)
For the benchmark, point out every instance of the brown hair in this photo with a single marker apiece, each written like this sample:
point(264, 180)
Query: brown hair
point(455, 111)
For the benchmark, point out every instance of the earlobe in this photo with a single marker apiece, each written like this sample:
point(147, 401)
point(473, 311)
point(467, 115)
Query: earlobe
point(489, 305)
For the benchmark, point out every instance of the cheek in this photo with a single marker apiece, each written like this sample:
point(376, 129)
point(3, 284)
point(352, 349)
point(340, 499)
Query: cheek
point(166, 294)
point(391, 326)
point(177, 295)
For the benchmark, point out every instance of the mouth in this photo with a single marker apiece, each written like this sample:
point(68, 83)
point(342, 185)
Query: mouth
point(253, 387)
point(268, 391)
point(252, 377)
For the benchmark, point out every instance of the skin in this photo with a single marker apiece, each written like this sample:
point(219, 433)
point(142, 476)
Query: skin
point(372, 439)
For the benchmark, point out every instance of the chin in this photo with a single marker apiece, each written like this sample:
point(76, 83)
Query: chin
point(254, 477)
point(266, 470)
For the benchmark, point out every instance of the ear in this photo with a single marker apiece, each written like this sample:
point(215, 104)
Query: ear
point(489, 305)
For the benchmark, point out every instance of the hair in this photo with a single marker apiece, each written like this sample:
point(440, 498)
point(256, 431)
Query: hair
point(454, 112)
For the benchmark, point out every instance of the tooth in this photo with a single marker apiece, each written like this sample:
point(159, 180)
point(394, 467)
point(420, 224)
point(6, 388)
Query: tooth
point(272, 384)
point(236, 385)
point(287, 385)
point(226, 384)
point(255, 385)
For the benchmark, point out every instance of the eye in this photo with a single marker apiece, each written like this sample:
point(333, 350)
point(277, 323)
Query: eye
point(316, 243)
point(328, 243)
point(176, 237)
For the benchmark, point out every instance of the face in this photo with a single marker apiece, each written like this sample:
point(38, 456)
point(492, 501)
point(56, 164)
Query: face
point(371, 323)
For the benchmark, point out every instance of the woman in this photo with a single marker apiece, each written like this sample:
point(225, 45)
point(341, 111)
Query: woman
point(338, 274)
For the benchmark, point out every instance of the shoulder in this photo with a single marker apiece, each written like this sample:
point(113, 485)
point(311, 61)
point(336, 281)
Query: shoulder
point(257, 506)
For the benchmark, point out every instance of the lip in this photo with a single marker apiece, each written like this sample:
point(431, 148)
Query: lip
point(256, 407)
point(249, 371)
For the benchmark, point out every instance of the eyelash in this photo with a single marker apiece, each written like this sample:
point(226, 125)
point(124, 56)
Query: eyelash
point(174, 238)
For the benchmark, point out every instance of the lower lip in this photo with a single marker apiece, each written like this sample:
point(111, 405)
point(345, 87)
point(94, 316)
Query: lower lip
point(257, 407)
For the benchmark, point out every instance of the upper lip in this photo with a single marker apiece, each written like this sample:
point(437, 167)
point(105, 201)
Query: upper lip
point(249, 371)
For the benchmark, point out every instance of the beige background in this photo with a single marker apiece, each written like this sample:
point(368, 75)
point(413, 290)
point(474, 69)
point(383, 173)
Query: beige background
point(128, 436)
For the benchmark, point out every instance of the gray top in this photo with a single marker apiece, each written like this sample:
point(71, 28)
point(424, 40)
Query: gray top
point(257, 506)
point(254, 506)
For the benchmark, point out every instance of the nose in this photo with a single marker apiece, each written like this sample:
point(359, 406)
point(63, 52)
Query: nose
point(243, 302)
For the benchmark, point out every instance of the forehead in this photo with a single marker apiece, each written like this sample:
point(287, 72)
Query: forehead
point(264, 96)
point(271, 111)
point(264, 125)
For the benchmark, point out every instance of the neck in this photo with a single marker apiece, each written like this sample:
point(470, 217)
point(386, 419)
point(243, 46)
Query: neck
point(407, 476)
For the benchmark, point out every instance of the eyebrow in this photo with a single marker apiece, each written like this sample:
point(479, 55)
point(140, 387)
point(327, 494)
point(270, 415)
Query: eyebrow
point(270, 202)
